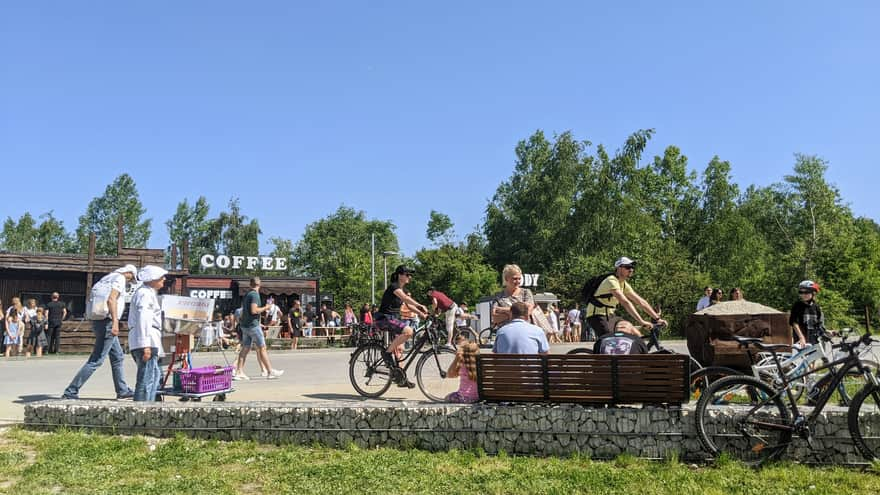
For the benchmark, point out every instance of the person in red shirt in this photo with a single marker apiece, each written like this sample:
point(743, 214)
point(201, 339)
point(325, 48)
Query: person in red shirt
point(443, 304)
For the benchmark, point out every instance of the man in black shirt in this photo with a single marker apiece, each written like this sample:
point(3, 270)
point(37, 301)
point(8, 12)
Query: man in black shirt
point(295, 320)
point(57, 314)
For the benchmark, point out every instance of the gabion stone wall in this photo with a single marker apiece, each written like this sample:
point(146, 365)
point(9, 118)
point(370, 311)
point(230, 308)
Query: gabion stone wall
point(532, 429)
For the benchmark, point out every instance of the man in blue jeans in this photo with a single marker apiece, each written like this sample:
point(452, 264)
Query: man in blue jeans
point(145, 332)
point(107, 336)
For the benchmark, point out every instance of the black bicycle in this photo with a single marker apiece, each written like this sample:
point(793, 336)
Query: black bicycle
point(372, 371)
point(754, 421)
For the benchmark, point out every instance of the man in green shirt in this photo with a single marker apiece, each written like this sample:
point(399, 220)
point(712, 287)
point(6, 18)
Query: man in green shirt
point(252, 333)
point(614, 290)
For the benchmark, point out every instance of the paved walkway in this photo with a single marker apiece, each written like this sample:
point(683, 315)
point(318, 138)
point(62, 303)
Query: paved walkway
point(310, 375)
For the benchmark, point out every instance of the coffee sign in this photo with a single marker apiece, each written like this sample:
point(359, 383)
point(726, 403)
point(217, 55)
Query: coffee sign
point(266, 263)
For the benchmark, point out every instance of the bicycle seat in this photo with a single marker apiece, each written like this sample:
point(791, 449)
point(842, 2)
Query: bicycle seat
point(746, 341)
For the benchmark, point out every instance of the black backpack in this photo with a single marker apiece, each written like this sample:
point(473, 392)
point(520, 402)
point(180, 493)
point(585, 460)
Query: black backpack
point(588, 292)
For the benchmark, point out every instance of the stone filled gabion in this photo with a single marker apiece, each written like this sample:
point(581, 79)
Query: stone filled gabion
point(529, 429)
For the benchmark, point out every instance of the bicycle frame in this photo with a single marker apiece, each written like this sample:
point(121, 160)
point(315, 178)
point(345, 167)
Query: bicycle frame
point(426, 333)
point(850, 361)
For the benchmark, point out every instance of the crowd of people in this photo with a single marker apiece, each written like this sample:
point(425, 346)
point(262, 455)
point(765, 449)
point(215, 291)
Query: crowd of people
point(31, 329)
point(523, 326)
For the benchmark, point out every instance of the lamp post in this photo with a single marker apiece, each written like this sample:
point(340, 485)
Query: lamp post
point(385, 255)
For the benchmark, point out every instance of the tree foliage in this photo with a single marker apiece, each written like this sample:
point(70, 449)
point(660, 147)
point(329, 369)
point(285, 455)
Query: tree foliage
point(191, 225)
point(25, 235)
point(120, 199)
point(337, 249)
point(457, 269)
point(568, 214)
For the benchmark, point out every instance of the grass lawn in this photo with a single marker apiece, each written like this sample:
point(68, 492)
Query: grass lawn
point(72, 462)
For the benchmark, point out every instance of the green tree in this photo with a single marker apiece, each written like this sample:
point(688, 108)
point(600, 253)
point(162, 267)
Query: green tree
point(458, 270)
point(440, 228)
point(282, 248)
point(120, 199)
point(235, 232)
point(25, 235)
point(191, 224)
point(527, 217)
point(337, 249)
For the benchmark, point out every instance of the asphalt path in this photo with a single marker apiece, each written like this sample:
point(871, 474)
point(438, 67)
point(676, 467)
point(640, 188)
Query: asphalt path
point(309, 376)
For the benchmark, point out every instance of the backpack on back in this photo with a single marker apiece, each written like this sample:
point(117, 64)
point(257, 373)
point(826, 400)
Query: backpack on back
point(588, 292)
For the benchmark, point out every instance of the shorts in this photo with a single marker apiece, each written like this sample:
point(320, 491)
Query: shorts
point(602, 325)
point(252, 336)
point(390, 324)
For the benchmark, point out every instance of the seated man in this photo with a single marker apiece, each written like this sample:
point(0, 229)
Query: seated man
point(519, 336)
point(626, 339)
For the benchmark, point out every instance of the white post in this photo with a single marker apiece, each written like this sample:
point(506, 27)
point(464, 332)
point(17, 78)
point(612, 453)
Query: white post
point(372, 269)
point(385, 268)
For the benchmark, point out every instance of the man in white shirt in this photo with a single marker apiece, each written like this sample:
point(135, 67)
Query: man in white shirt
point(704, 301)
point(107, 336)
point(574, 320)
point(145, 332)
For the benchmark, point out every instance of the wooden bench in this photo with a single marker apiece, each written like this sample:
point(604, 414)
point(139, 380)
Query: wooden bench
point(584, 378)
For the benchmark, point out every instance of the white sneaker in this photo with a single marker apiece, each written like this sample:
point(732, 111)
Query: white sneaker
point(264, 373)
point(274, 374)
point(240, 376)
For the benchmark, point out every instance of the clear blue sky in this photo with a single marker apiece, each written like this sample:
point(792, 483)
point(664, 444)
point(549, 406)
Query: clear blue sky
point(298, 108)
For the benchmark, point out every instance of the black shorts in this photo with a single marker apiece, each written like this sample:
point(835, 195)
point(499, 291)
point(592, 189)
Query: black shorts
point(602, 325)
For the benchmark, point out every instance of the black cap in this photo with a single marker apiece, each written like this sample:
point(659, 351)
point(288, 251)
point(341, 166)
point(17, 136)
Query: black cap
point(404, 269)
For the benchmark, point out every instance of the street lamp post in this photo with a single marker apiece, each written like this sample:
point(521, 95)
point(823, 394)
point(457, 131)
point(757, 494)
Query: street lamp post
point(385, 255)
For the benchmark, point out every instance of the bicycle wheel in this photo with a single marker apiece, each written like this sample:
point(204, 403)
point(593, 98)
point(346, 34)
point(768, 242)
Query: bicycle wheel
point(854, 381)
point(487, 338)
point(864, 427)
point(431, 374)
point(580, 350)
point(368, 372)
point(744, 418)
point(702, 378)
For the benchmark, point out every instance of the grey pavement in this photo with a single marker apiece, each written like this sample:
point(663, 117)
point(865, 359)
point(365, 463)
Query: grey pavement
point(310, 375)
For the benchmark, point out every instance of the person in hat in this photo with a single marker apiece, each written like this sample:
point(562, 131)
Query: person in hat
point(388, 315)
point(145, 332)
point(107, 335)
point(614, 290)
point(806, 319)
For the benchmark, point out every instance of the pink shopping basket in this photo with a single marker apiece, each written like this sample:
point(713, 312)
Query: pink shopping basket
point(204, 379)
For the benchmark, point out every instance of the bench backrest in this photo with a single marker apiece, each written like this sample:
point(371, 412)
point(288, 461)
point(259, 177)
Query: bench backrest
point(584, 378)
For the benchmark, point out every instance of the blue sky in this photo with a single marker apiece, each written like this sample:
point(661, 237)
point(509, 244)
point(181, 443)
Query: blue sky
point(397, 108)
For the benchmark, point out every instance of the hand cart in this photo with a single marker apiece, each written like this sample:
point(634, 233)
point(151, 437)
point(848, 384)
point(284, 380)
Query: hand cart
point(191, 383)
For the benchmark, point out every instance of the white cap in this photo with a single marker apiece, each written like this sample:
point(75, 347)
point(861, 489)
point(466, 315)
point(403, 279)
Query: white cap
point(127, 269)
point(150, 273)
point(624, 261)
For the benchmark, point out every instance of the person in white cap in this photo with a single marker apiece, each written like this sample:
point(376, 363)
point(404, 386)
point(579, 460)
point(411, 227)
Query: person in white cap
point(106, 331)
point(614, 290)
point(145, 332)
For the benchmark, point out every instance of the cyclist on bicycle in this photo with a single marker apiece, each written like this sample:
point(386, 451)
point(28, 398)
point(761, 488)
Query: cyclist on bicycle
point(443, 304)
point(614, 290)
point(388, 315)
